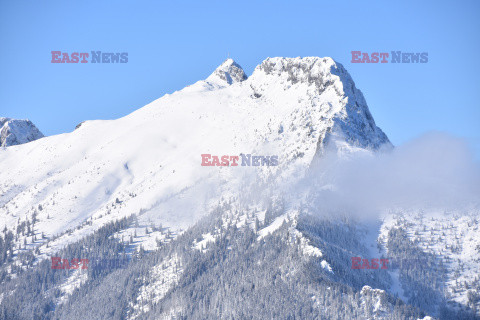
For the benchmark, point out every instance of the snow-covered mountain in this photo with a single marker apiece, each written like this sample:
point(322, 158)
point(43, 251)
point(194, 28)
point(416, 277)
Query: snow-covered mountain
point(13, 132)
point(150, 160)
point(137, 183)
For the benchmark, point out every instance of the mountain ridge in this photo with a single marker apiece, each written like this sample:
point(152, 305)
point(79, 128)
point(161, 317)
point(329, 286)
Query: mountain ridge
point(158, 147)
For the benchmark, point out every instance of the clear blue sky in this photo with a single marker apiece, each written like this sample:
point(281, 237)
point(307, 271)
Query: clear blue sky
point(172, 44)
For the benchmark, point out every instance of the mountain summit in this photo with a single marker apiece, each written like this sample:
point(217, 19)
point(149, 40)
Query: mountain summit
point(228, 72)
point(326, 90)
point(14, 132)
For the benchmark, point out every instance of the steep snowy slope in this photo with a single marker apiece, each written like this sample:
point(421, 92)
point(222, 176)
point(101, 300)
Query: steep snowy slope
point(149, 162)
point(13, 132)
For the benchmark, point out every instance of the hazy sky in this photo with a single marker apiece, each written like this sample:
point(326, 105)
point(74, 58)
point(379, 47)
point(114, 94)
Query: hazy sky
point(171, 44)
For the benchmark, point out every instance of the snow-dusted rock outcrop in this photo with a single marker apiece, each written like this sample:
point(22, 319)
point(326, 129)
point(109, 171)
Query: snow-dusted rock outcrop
point(14, 132)
point(228, 72)
point(328, 88)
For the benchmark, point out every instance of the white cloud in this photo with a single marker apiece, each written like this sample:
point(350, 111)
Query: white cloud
point(433, 171)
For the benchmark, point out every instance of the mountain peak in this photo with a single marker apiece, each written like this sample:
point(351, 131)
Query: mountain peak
point(228, 72)
point(14, 132)
point(327, 85)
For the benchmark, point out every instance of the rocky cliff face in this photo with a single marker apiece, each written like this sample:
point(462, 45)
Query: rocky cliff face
point(331, 94)
point(14, 132)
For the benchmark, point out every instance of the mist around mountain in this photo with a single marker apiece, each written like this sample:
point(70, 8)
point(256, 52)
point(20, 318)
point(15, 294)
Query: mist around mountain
point(168, 238)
